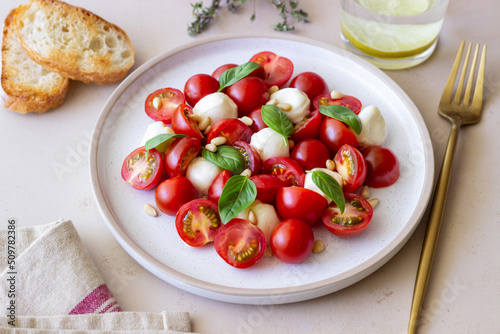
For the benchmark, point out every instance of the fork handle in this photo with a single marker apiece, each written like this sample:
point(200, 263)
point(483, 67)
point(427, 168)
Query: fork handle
point(433, 227)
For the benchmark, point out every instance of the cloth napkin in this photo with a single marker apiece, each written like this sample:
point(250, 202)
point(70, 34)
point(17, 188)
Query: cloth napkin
point(53, 286)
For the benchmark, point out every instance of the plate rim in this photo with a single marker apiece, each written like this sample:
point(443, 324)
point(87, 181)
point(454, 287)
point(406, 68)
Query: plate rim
point(261, 295)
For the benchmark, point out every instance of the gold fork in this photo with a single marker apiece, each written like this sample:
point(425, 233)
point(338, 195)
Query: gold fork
point(459, 111)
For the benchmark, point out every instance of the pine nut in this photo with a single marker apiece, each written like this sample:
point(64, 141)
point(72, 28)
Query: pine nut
point(365, 192)
point(285, 106)
point(204, 123)
point(291, 143)
point(246, 172)
point(195, 117)
point(272, 102)
point(318, 246)
point(330, 164)
point(336, 95)
point(207, 130)
point(268, 252)
point(211, 147)
point(252, 218)
point(157, 102)
point(217, 141)
point(148, 208)
point(247, 120)
point(273, 89)
point(374, 202)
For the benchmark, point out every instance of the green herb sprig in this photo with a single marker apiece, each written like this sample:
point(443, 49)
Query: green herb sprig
point(204, 16)
point(238, 193)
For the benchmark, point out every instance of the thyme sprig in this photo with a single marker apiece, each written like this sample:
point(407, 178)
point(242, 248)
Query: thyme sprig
point(204, 16)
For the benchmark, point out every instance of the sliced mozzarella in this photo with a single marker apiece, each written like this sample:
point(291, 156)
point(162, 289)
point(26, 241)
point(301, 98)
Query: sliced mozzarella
point(201, 173)
point(309, 184)
point(268, 143)
point(298, 101)
point(155, 129)
point(267, 218)
point(373, 130)
point(217, 106)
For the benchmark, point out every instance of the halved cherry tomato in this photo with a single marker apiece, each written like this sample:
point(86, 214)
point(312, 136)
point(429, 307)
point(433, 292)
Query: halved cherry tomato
point(248, 94)
point(278, 69)
point(256, 116)
point(197, 222)
point(180, 154)
point(252, 157)
point(181, 123)
point(286, 169)
point(310, 83)
point(267, 186)
point(173, 193)
point(292, 241)
point(308, 127)
point(357, 215)
point(301, 203)
point(199, 86)
point(232, 129)
point(140, 172)
point(334, 134)
point(240, 243)
point(351, 165)
point(382, 166)
point(169, 100)
point(310, 153)
point(347, 101)
point(217, 185)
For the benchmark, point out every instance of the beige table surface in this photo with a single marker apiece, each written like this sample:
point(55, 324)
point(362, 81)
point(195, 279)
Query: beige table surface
point(464, 291)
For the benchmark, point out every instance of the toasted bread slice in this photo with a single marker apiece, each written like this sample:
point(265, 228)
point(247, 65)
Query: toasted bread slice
point(73, 42)
point(27, 86)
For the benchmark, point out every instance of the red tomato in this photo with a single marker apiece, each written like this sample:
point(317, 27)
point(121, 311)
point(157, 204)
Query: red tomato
point(267, 186)
point(252, 157)
point(286, 169)
point(351, 165)
point(170, 98)
point(347, 101)
point(142, 173)
point(230, 128)
point(180, 154)
point(382, 166)
point(278, 70)
point(221, 69)
point(181, 123)
point(357, 215)
point(248, 94)
point(217, 185)
point(300, 203)
point(334, 134)
point(310, 153)
point(256, 116)
point(310, 83)
point(199, 86)
point(308, 127)
point(173, 193)
point(292, 241)
point(197, 222)
point(240, 243)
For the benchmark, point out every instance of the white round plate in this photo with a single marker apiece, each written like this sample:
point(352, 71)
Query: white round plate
point(154, 243)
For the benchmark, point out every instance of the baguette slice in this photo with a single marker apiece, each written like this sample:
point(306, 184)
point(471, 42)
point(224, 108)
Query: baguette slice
point(27, 86)
point(73, 42)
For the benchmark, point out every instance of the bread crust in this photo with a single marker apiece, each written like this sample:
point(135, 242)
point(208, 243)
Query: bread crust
point(87, 56)
point(25, 96)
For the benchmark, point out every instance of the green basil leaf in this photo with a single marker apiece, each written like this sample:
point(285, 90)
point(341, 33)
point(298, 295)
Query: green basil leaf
point(160, 139)
point(276, 119)
point(238, 193)
point(342, 114)
point(235, 74)
point(226, 157)
point(327, 184)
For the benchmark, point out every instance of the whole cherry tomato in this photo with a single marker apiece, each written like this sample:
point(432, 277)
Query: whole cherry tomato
point(301, 203)
point(310, 153)
point(292, 241)
point(248, 94)
point(382, 166)
point(173, 193)
point(199, 86)
point(310, 83)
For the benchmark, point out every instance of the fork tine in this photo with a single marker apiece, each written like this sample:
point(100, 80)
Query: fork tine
point(477, 100)
point(468, 89)
point(448, 90)
point(458, 93)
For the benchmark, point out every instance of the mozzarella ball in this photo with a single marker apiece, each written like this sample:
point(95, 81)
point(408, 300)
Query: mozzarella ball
point(268, 143)
point(296, 99)
point(373, 130)
point(309, 183)
point(155, 129)
point(217, 106)
point(201, 173)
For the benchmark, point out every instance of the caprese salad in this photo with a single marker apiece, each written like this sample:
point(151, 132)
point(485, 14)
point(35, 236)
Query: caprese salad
point(249, 160)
